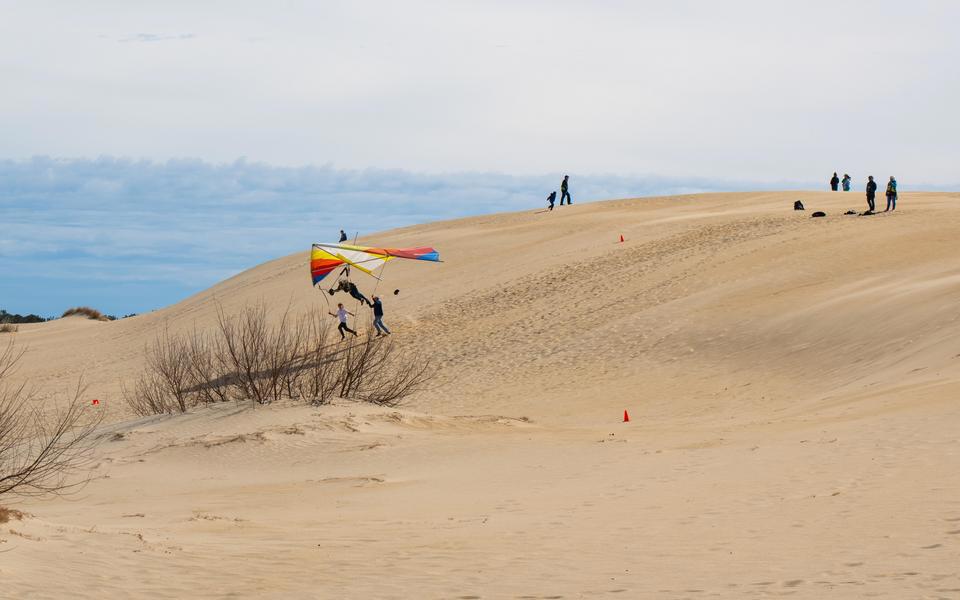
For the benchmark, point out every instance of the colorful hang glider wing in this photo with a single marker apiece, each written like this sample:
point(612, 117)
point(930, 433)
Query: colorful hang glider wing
point(325, 258)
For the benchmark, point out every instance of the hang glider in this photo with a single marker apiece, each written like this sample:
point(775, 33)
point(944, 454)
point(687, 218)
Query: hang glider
point(326, 258)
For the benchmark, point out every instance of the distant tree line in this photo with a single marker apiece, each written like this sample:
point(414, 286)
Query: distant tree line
point(13, 318)
point(6, 317)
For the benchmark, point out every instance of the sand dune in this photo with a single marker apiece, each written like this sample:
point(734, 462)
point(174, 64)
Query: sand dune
point(792, 384)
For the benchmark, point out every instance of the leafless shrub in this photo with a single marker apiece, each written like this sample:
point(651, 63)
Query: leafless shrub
point(41, 452)
point(168, 361)
point(148, 395)
point(8, 328)
point(9, 357)
point(210, 376)
point(85, 311)
point(386, 377)
point(315, 378)
point(244, 347)
point(249, 357)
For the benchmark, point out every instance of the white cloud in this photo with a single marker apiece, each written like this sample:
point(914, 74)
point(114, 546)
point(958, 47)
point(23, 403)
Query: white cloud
point(157, 37)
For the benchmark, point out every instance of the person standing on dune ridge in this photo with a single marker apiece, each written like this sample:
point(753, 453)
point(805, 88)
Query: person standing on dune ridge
point(892, 194)
point(871, 194)
point(845, 182)
point(564, 191)
point(834, 181)
point(343, 236)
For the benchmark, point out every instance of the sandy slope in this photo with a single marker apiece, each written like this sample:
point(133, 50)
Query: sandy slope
point(792, 384)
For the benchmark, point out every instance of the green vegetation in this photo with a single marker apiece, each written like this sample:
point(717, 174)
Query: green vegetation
point(6, 317)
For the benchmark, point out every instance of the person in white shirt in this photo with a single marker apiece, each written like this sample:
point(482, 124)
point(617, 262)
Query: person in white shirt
point(342, 315)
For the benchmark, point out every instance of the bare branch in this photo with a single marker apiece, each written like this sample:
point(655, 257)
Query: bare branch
point(41, 452)
point(251, 357)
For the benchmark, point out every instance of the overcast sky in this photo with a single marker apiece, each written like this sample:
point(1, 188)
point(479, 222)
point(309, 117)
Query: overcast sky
point(773, 89)
point(629, 97)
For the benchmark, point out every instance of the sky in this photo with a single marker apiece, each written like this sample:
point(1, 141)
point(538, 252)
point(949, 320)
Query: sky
point(149, 149)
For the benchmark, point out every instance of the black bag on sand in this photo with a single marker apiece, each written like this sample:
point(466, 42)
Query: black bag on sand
point(798, 205)
point(850, 212)
point(819, 213)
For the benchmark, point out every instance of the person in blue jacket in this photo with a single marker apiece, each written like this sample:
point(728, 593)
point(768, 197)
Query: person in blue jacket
point(378, 317)
point(891, 194)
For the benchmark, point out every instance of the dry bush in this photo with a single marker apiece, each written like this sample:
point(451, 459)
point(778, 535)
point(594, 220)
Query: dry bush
point(148, 396)
point(174, 365)
point(7, 514)
point(263, 356)
point(386, 376)
point(316, 377)
point(249, 357)
point(210, 376)
point(85, 311)
point(8, 328)
point(41, 452)
point(169, 360)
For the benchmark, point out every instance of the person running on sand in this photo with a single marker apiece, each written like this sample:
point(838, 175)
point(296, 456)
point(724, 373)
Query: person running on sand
point(342, 315)
point(564, 191)
point(834, 181)
point(892, 194)
point(378, 317)
point(551, 199)
point(845, 182)
point(351, 288)
point(871, 194)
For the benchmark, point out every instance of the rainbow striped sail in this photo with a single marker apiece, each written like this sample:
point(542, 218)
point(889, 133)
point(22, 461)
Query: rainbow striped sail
point(325, 258)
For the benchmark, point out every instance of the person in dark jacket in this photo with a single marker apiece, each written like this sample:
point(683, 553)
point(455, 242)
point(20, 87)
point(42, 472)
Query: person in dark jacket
point(378, 317)
point(564, 191)
point(871, 194)
point(343, 236)
point(351, 288)
point(891, 194)
point(551, 199)
point(834, 181)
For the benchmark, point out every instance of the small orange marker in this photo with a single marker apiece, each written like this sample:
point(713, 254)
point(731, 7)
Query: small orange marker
point(621, 238)
point(95, 402)
point(626, 417)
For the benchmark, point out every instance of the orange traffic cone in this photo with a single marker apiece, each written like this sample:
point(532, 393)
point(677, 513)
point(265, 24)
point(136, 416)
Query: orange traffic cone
point(626, 417)
point(95, 402)
point(621, 238)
